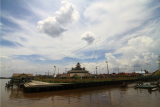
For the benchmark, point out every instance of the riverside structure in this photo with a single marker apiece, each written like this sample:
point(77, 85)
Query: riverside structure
point(38, 86)
point(77, 72)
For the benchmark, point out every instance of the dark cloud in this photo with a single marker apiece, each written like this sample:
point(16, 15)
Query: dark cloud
point(89, 37)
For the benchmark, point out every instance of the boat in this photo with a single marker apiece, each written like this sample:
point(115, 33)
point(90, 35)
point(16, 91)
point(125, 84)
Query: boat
point(145, 85)
point(154, 89)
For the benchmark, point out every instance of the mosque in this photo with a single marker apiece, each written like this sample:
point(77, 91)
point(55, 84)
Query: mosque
point(78, 71)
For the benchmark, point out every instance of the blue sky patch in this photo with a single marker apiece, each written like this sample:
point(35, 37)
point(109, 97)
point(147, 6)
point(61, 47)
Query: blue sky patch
point(8, 43)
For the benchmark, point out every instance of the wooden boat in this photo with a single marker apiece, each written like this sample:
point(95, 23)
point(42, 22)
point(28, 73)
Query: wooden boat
point(154, 89)
point(145, 85)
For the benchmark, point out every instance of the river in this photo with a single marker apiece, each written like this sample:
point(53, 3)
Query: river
point(101, 96)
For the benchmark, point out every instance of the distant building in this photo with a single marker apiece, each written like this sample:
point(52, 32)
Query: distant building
point(21, 76)
point(134, 74)
point(157, 72)
point(122, 74)
point(77, 72)
point(59, 75)
point(140, 72)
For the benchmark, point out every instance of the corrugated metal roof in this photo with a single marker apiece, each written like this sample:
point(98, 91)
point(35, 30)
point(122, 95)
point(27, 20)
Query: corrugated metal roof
point(18, 74)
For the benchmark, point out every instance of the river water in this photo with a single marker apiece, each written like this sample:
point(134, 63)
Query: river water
point(102, 96)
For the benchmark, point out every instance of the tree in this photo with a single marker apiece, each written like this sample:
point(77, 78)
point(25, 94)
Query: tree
point(76, 76)
point(146, 72)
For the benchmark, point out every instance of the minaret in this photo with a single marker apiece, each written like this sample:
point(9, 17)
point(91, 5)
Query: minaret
point(78, 66)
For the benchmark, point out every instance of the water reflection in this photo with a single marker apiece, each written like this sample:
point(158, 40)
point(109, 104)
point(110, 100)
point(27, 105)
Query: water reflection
point(18, 92)
point(109, 96)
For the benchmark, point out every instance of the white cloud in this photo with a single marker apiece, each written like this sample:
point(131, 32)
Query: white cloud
point(51, 27)
point(111, 59)
point(148, 57)
point(121, 26)
point(67, 13)
point(88, 36)
point(114, 19)
point(56, 26)
point(136, 62)
point(42, 59)
point(139, 53)
point(137, 46)
point(143, 42)
point(5, 57)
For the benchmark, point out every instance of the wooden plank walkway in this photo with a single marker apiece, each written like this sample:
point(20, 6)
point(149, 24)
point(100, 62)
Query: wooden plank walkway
point(37, 86)
point(43, 84)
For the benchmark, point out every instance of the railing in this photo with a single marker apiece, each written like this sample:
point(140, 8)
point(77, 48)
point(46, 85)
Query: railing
point(73, 80)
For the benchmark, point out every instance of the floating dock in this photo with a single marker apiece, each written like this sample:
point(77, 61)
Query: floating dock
point(37, 86)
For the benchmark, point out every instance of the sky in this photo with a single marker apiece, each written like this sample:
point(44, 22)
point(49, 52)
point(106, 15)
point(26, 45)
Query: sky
point(39, 36)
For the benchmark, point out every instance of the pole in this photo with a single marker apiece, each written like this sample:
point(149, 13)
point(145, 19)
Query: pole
point(159, 63)
point(66, 72)
point(118, 71)
point(107, 67)
point(96, 70)
point(58, 70)
point(55, 70)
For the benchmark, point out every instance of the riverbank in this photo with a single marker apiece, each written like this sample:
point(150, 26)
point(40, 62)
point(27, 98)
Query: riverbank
point(100, 96)
point(86, 80)
point(37, 86)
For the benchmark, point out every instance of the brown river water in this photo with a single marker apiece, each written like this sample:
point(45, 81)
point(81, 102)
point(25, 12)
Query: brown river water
point(101, 96)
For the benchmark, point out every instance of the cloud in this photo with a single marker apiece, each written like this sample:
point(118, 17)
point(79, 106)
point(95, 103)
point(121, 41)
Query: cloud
point(137, 46)
point(42, 59)
point(67, 13)
point(136, 62)
point(145, 60)
point(56, 26)
point(139, 52)
point(88, 36)
point(148, 57)
point(115, 20)
point(5, 57)
point(142, 42)
point(111, 59)
point(51, 27)
point(129, 29)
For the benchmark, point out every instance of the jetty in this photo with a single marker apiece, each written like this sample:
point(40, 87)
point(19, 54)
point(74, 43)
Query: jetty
point(77, 77)
point(38, 86)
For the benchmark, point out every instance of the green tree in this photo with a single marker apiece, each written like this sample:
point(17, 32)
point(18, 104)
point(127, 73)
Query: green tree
point(146, 71)
point(76, 76)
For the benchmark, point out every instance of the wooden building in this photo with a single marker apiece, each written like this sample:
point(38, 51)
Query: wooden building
point(21, 76)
